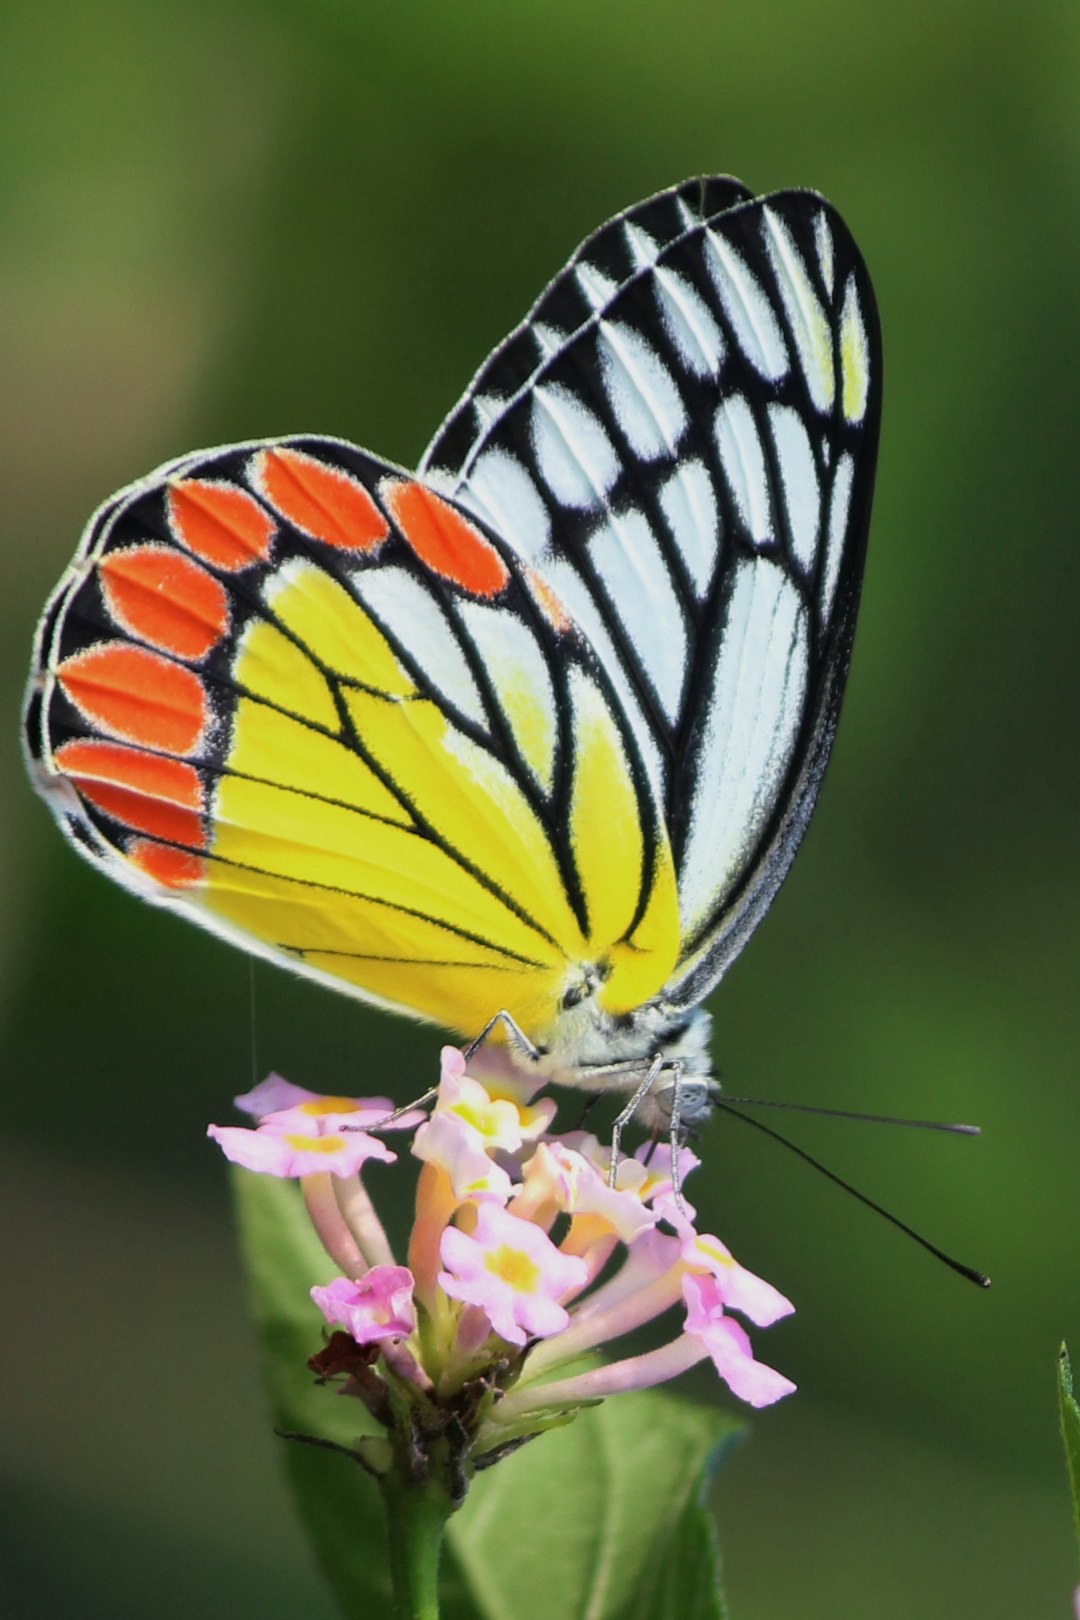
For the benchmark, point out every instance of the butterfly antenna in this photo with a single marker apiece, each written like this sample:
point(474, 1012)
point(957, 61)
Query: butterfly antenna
point(958, 1266)
point(844, 1113)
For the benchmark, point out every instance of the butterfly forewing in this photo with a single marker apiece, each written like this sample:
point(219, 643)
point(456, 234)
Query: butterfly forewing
point(295, 695)
point(681, 439)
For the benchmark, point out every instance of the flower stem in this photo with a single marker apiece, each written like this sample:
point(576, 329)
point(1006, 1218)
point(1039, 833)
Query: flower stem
point(416, 1515)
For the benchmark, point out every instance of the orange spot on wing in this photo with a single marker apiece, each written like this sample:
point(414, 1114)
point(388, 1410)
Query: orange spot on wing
point(443, 539)
point(224, 526)
point(546, 600)
point(323, 501)
point(138, 695)
point(165, 598)
point(147, 792)
point(174, 868)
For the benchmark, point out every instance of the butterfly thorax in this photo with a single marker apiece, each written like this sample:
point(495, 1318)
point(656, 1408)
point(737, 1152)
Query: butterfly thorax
point(594, 1050)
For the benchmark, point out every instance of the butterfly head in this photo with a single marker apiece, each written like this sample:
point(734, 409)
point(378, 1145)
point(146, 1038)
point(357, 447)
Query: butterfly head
point(684, 1096)
point(594, 1050)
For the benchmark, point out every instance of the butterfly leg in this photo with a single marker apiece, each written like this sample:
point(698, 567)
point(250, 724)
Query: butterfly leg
point(517, 1037)
point(629, 1111)
point(675, 1135)
point(388, 1122)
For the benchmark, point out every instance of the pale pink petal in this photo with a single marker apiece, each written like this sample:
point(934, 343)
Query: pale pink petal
point(543, 1195)
point(649, 1174)
point(292, 1155)
point(729, 1345)
point(501, 1118)
point(497, 1122)
point(590, 1147)
point(279, 1104)
point(500, 1076)
point(447, 1141)
point(465, 1279)
point(512, 1271)
point(750, 1380)
point(615, 1378)
point(585, 1191)
point(451, 1063)
point(270, 1096)
point(656, 1158)
point(740, 1289)
point(327, 1115)
point(378, 1306)
point(643, 1289)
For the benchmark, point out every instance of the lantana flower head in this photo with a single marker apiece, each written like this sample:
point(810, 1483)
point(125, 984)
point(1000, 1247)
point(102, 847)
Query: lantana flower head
point(527, 1253)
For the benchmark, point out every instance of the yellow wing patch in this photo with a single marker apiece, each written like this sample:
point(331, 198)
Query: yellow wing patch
point(272, 667)
point(321, 614)
point(359, 830)
point(854, 356)
point(611, 855)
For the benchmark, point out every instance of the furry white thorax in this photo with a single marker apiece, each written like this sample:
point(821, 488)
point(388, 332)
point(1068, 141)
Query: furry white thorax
point(597, 1051)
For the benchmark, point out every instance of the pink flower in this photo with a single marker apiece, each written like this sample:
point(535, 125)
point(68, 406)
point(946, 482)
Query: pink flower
point(278, 1101)
point(278, 1153)
point(512, 1271)
point(581, 1189)
point(379, 1306)
point(448, 1141)
point(739, 1289)
point(498, 1122)
point(729, 1345)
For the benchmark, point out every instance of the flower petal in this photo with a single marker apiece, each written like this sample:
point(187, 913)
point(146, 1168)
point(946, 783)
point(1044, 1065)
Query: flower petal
point(740, 1289)
point(279, 1154)
point(512, 1271)
point(447, 1141)
point(729, 1345)
point(288, 1107)
point(378, 1306)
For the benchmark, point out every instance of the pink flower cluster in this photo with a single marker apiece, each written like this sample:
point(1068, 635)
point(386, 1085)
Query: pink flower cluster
point(525, 1254)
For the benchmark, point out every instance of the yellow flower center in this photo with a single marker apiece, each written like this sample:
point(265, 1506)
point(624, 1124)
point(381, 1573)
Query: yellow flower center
point(495, 1121)
point(513, 1267)
point(476, 1117)
point(315, 1144)
point(328, 1105)
point(710, 1252)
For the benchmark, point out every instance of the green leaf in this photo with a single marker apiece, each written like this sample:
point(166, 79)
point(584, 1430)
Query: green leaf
point(1070, 1433)
point(604, 1518)
point(688, 1569)
point(340, 1506)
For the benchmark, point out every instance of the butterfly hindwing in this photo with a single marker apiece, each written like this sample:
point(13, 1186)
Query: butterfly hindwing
point(297, 696)
point(681, 440)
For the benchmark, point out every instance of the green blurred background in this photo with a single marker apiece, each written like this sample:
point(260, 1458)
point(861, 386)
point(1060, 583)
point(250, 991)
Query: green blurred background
point(221, 222)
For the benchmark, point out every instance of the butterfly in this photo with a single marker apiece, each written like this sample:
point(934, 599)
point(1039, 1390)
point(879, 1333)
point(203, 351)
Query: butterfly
point(523, 743)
